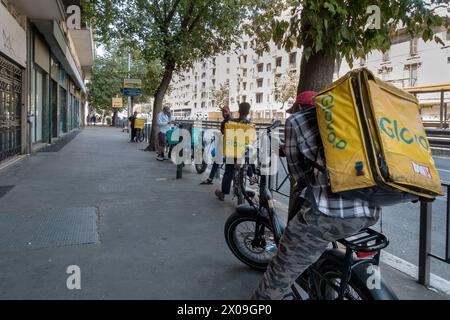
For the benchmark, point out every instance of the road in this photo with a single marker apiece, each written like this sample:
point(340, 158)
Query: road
point(401, 224)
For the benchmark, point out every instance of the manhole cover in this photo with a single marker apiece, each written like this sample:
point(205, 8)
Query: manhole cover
point(48, 228)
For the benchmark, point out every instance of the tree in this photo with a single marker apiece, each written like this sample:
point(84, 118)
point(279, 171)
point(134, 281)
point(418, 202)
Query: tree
point(176, 32)
point(285, 87)
point(108, 74)
point(341, 29)
point(222, 95)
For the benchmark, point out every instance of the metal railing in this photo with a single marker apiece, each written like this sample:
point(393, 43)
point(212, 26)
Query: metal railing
point(425, 253)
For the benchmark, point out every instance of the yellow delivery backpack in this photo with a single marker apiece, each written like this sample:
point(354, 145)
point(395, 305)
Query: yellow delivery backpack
point(375, 145)
point(237, 136)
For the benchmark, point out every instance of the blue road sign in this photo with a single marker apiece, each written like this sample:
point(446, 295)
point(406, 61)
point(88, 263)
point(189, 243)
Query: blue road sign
point(132, 92)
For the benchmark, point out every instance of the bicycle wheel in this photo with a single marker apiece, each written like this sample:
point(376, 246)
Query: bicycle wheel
point(331, 272)
point(240, 237)
point(239, 184)
point(140, 135)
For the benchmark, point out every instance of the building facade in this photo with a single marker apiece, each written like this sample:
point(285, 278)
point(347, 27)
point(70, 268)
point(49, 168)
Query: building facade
point(253, 78)
point(44, 66)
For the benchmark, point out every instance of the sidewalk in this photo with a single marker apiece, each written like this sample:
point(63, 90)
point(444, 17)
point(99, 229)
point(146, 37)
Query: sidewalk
point(135, 231)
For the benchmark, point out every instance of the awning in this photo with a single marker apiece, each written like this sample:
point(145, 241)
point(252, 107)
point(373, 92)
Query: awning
point(429, 89)
point(41, 9)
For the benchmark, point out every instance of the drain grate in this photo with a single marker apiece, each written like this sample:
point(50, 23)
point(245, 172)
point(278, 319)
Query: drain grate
point(4, 190)
point(48, 228)
point(61, 143)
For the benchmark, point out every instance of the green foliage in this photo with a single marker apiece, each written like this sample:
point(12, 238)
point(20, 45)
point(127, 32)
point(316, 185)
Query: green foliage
point(339, 27)
point(222, 96)
point(107, 79)
point(285, 87)
point(172, 31)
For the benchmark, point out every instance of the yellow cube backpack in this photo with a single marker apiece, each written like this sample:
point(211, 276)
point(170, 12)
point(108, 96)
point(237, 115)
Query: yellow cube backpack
point(375, 145)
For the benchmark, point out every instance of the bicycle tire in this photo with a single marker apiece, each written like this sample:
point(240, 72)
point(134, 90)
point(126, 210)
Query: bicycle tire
point(331, 271)
point(231, 225)
point(201, 168)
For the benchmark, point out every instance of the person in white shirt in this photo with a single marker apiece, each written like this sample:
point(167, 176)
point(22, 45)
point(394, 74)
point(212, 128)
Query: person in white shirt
point(164, 123)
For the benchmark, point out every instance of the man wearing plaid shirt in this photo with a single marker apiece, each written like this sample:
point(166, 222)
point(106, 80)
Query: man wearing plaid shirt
point(324, 217)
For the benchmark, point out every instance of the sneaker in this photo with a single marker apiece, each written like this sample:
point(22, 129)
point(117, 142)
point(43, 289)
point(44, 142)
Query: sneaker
point(220, 195)
point(207, 181)
point(160, 158)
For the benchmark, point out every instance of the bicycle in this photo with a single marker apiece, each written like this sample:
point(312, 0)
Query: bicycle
point(253, 233)
point(140, 137)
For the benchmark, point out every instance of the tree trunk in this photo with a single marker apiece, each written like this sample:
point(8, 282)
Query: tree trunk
point(316, 73)
point(114, 119)
point(158, 103)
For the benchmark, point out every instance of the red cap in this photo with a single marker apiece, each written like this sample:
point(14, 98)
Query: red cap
point(306, 97)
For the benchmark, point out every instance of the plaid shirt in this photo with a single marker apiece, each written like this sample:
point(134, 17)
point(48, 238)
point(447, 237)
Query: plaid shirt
point(303, 140)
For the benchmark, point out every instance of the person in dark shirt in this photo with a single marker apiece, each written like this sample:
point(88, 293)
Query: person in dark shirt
point(132, 123)
point(244, 111)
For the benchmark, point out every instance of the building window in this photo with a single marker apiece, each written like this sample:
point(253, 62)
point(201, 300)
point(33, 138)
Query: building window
point(228, 70)
point(244, 98)
point(279, 62)
point(293, 60)
point(228, 59)
point(259, 83)
point(245, 59)
point(413, 47)
point(259, 98)
point(244, 85)
point(261, 67)
point(245, 45)
point(244, 72)
point(412, 70)
point(269, 67)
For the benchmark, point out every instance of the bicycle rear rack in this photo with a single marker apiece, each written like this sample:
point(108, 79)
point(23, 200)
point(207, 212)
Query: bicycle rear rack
point(367, 240)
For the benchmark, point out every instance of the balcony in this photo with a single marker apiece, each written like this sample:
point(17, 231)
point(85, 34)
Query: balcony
point(41, 9)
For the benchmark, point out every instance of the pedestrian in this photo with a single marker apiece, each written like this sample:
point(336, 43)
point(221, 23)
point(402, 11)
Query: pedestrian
point(164, 121)
point(132, 120)
point(324, 217)
point(226, 114)
point(244, 111)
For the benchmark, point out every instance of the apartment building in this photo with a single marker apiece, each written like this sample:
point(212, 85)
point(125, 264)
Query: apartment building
point(252, 77)
point(246, 75)
point(43, 69)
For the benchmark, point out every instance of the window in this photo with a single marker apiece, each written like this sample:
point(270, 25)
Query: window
point(244, 85)
point(228, 59)
point(261, 67)
point(203, 85)
point(413, 75)
point(245, 45)
point(245, 59)
point(228, 70)
point(214, 71)
point(244, 72)
point(279, 61)
point(293, 60)
point(259, 83)
point(244, 98)
point(259, 97)
point(413, 47)
point(269, 67)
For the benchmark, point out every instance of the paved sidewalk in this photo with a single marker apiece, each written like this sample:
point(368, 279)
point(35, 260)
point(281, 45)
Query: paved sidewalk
point(135, 231)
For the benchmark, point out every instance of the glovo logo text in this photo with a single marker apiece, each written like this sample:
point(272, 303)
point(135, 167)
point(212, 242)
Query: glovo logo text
point(404, 135)
point(327, 106)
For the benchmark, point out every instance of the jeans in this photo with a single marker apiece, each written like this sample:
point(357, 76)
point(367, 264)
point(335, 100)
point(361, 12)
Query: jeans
point(227, 178)
point(213, 172)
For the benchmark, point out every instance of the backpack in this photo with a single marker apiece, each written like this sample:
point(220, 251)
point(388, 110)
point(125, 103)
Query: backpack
point(374, 143)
